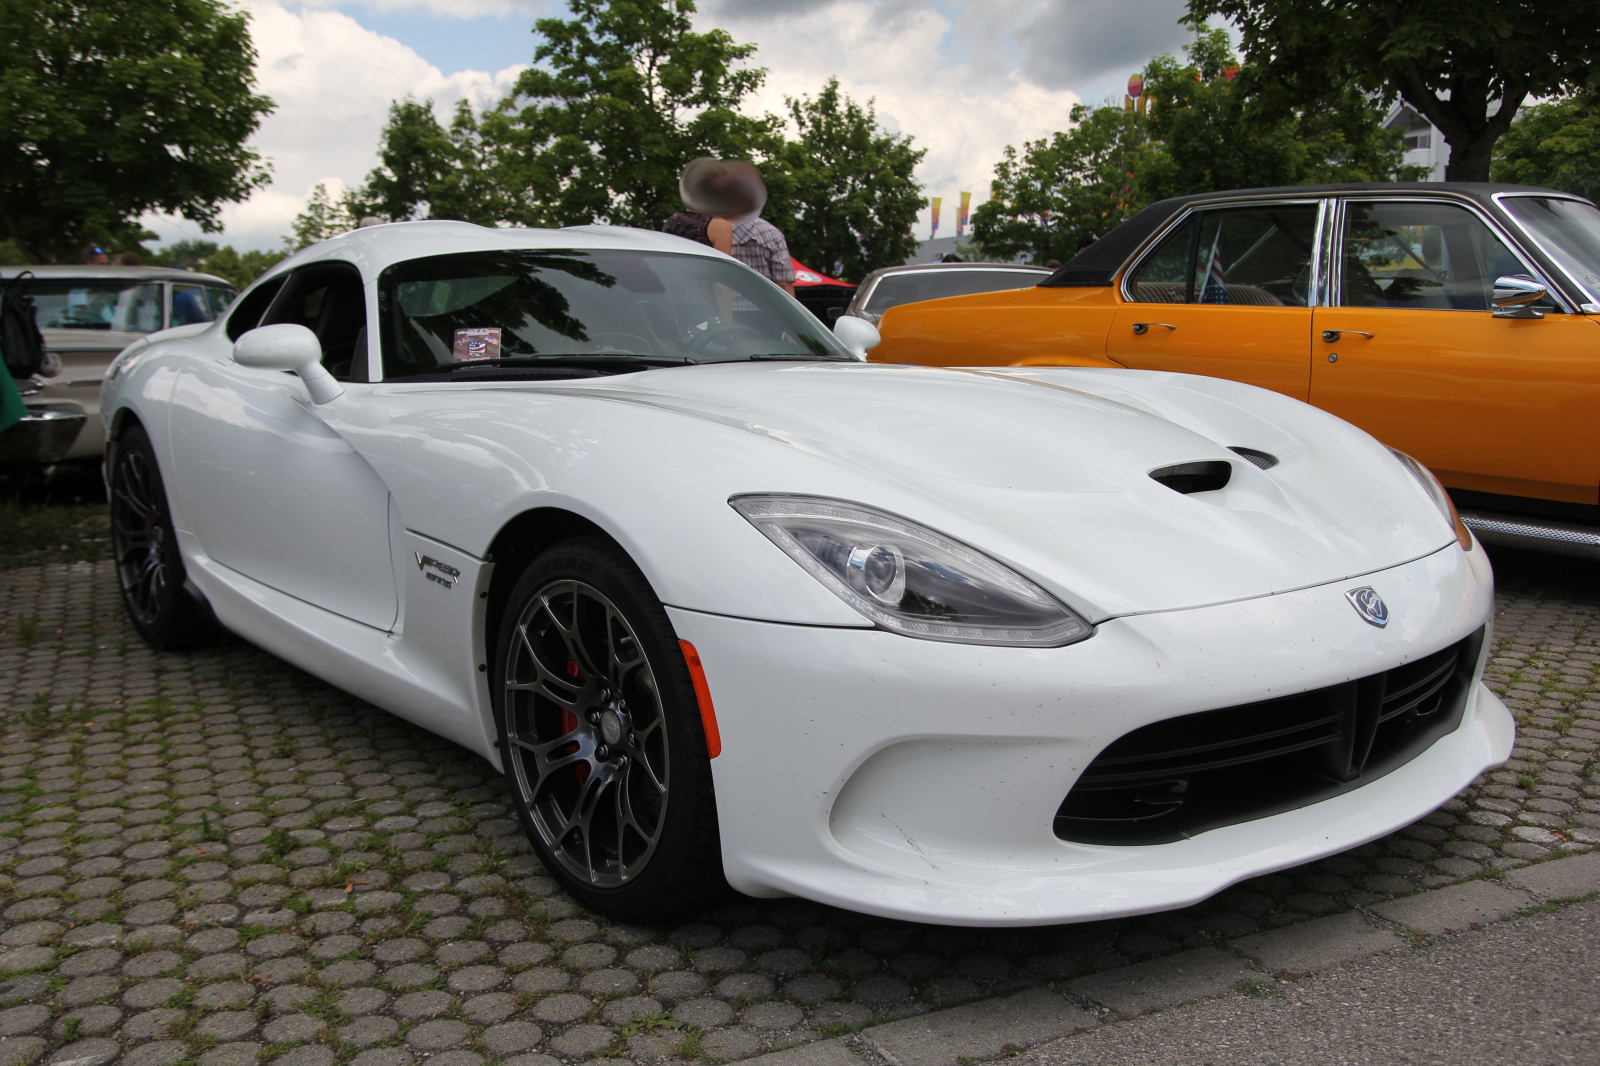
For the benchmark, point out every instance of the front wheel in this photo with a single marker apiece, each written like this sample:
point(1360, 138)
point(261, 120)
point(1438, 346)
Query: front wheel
point(601, 736)
point(149, 565)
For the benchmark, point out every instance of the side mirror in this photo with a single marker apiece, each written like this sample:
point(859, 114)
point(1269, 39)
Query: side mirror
point(288, 347)
point(857, 335)
point(1515, 295)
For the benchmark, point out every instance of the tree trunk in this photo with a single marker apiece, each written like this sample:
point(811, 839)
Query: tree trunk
point(1470, 161)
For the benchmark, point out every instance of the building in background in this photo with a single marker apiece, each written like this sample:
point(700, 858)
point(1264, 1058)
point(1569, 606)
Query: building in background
point(1425, 145)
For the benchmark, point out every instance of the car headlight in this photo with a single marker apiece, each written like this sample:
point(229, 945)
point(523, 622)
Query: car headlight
point(1441, 498)
point(911, 580)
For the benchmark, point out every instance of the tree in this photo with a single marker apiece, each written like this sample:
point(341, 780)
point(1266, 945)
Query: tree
point(111, 109)
point(1205, 136)
point(1466, 65)
point(843, 192)
point(186, 252)
point(1061, 191)
point(240, 268)
point(1555, 144)
point(429, 172)
point(1199, 136)
point(619, 99)
point(322, 218)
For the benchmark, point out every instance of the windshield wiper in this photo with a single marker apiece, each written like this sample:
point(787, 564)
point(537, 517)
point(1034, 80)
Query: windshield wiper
point(796, 355)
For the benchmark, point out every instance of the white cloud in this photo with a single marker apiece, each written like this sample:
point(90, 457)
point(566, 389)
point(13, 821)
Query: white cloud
point(461, 9)
point(332, 81)
point(964, 108)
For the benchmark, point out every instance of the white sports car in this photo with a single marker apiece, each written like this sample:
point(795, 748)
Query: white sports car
point(730, 605)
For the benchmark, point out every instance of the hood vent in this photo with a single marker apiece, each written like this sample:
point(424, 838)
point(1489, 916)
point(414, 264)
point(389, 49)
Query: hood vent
point(1204, 476)
point(1265, 460)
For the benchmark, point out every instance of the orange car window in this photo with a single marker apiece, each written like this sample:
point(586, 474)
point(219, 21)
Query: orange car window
point(1421, 255)
point(1247, 256)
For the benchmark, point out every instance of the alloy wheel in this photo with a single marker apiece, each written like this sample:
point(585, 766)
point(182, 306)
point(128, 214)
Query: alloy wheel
point(586, 733)
point(139, 535)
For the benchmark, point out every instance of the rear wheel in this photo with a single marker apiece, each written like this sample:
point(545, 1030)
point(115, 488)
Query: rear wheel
point(601, 736)
point(149, 566)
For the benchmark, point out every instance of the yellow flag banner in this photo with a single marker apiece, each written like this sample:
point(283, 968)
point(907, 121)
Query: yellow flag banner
point(961, 215)
point(935, 201)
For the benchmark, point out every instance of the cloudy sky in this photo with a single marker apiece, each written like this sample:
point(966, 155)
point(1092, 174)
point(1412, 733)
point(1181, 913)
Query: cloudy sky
point(963, 78)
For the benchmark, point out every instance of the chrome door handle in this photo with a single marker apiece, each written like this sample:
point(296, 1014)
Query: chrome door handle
point(1141, 328)
point(1332, 335)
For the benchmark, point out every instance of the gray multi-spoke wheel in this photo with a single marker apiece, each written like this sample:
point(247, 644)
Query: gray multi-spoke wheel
point(588, 743)
point(149, 566)
point(601, 736)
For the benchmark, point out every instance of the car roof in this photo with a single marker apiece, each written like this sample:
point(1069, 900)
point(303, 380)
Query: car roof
point(91, 272)
point(376, 247)
point(1098, 264)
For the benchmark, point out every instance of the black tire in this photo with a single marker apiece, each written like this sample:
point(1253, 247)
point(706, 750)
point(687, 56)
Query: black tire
point(597, 713)
point(149, 565)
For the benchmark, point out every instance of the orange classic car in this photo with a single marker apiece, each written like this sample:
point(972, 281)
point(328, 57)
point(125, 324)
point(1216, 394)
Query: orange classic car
point(1456, 322)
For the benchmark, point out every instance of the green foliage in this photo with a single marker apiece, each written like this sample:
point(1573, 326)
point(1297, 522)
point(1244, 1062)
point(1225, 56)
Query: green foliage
point(1206, 137)
point(322, 218)
point(843, 192)
point(111, 109)
point(1200, 135)
point(1449, 59)
point(620, 97)
point(430, 172)
point(1555, 144)
point(1062, 190)
point(184, 253)
point(241, 268)
point(11, 255)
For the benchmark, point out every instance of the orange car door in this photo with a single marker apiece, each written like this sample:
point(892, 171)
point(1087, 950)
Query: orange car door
point(1225, 294)
point(1414, 354)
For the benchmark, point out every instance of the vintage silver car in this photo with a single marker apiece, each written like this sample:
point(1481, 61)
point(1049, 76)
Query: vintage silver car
point(914, 282)
point(87, 315)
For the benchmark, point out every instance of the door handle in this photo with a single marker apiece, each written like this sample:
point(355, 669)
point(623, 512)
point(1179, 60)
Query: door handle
point(1332, 335)
point(1141, 328)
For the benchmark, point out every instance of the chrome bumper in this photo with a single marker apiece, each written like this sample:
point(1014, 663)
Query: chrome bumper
point(44, 435)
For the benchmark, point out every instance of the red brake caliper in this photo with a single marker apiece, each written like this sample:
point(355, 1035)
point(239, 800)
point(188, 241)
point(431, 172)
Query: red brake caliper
point(569, 722)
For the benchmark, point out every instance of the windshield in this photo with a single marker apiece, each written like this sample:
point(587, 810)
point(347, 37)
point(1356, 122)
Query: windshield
point(121, 306)
point(895, 289)
point(569, 305)
point(1569, 233)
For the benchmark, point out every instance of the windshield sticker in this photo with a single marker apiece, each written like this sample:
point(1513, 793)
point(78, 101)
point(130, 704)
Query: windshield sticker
point(480, 343)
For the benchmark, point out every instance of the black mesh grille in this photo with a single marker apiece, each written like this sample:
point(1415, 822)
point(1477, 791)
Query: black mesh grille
point(1182, 776)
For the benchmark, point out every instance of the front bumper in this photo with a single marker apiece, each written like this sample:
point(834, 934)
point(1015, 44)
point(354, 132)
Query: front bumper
point(920, 780)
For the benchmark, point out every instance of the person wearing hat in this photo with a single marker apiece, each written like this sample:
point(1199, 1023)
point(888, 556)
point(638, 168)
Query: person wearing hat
point(733, 192)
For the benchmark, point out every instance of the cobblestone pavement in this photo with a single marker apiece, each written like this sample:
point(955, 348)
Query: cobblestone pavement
point(215, 858)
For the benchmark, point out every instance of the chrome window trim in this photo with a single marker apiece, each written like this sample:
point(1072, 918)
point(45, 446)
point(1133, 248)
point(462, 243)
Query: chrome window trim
point(1488, 220)
point(1578, 287)
point(1194, 208)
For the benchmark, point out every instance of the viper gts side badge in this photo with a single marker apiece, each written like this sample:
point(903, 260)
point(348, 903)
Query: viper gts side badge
point(1369, 605)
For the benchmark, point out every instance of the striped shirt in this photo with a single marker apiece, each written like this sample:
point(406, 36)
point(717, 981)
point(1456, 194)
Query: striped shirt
point(759, 245)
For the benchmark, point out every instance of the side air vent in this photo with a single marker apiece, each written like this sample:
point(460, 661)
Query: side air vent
point(1265, 460)
point(1204, 476)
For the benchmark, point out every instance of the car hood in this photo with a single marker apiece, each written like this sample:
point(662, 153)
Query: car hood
point(1049, 471)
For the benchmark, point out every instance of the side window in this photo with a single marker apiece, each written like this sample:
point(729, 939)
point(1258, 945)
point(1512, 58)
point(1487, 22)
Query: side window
point(197, 303)
point(247, 313)
point(328, 299)
point(1246, 256)
point(1421, 255)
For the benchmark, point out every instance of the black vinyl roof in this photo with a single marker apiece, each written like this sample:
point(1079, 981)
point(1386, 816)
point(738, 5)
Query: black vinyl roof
point(1097, 265)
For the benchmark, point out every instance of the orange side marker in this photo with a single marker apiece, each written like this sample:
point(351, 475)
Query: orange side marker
point(702, 693)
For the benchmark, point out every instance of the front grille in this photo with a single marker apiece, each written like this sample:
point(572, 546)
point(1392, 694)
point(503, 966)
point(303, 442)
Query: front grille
point(1179, 777)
